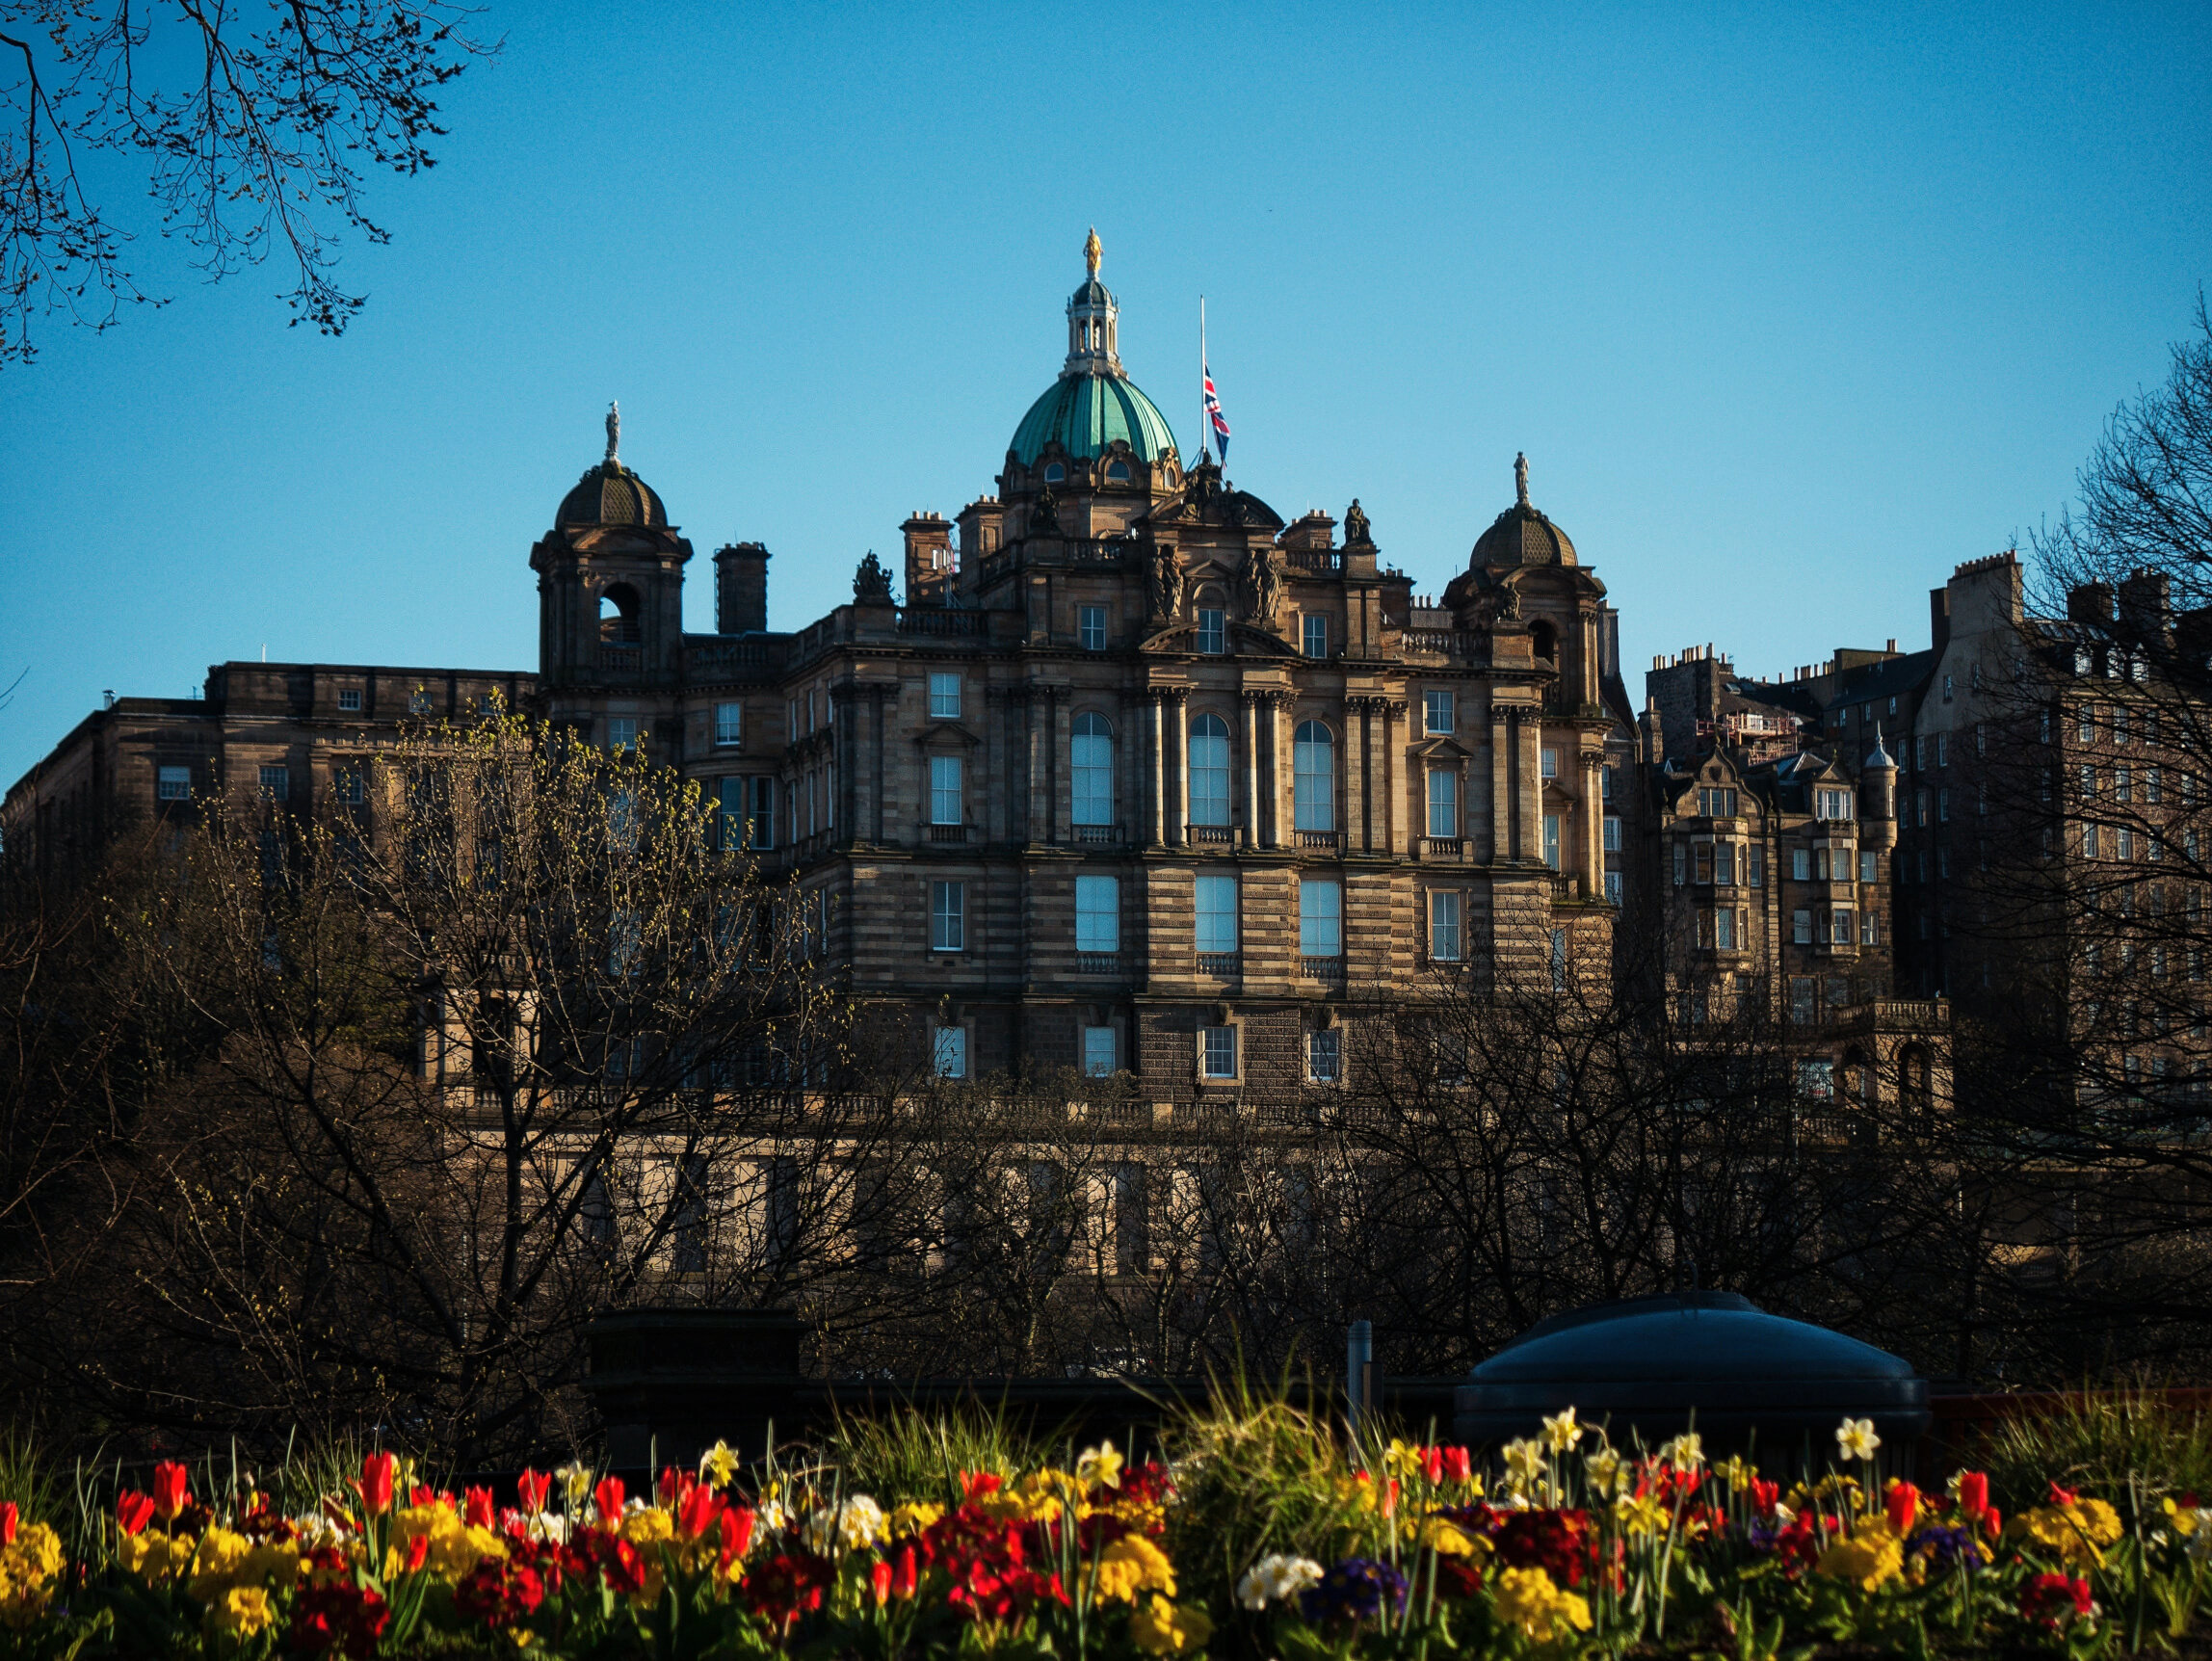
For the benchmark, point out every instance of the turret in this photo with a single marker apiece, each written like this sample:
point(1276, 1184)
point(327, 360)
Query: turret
point(1878, 798)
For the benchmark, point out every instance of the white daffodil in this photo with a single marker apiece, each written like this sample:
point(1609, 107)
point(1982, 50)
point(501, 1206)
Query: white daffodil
point(718, 1465)
point(1685, 1453)
point(1524, 1462)
point(575, 1480)
point(1561, 1433)
point(1857, 1438)
point(1277, 1578)
point(1603, 1468)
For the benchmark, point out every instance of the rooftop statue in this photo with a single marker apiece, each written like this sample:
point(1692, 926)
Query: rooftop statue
point(1356, 533)
point(614, 432)
point(1520, 479)
point(1092, 253)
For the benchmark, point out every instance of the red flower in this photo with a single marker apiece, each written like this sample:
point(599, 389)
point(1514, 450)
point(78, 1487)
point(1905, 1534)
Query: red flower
point(422, 1493)
point(2049, 1599)
point(788, 1585)
point(1973, 1495)
point(1993, 1523)
point(8, 1520)
point(623, 1568)
point(498, 1592)
point(1433, 1464)
point(880, 1581)
point(171, 1489)
point(1903, 1506)
point(905, 1572)
point(419, 1552)
point(977, 1485)
point(607, 1494)
point(1765, 1496)
point(340, 1615)
point(1459, 1465)
point(698, 1511)
point(2063, 1496)
point(1457, 1578)
point(1556, 1541)
point(531, 1488)
point(133, 1511)
point(736, 1525)
point(477, 1511)
point(376, 1473)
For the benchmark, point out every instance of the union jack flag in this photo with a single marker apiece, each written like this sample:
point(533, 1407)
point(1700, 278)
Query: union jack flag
point(1214, 417)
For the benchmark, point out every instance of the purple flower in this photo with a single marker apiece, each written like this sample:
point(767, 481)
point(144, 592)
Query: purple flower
point(1353, 1590)
point(1946, 1547)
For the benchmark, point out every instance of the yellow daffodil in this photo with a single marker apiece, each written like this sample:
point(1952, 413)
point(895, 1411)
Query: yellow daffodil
point(1524, 1462)
point(1685, 1452)
point(1163, 1629)
point(1447, 1538)
point(1099, 1467)
point(244, 1611)
point(1603, 1470)
point(1561, 1433)
point(718, 1465)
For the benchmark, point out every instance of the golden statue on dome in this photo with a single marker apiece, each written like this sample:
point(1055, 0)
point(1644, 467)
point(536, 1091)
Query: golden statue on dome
point(1092, 252)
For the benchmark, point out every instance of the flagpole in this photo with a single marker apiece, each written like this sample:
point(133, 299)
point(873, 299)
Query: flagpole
point(1202, 415)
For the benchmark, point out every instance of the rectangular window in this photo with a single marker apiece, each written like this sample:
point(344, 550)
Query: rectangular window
point(2085, 727)
point(346, 781)
point(948, 916)
point(1315, 635)
point(1090, 624)
point(1097, 915)
point(1219, 1048)
point(944, 696)
point(1606, 782)
point(2120, 723)
point(1217, 907)
point(277, 781)
point(1801, 928)
point(1840, 933)
point(1804, 1003)
point(1920, 754)
point(621, 732)
point(1325, 1056)
point(1801, 864)
point(1613, 833)
point(1101, 1055)
point(761, 792)
point(1681, 864)
point(1559, 960)
point(1320, 918)
point(1980, 738)
point(1869, 929)
point(350, 700)
point(1443, 802)
point(1755, 865)
point(1547, 762)
point(172, 783)
point(945, 790)
point(1942, 750)
point(1613, 888)
point(1866, 865)
point(1551, 840)
point(2152, 786)
point(2123, 784)
point(1944, 805)
point(1440, 713)
point(1213, 630)
point(1724, 930)
point(1702, 869)
point(1725, 863)
point(948, 1051)
point(729, 724)
point(1444, 925)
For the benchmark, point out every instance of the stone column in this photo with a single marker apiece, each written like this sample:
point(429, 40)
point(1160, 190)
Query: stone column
point(1248, 785)
point(1502, 790)
point(879, 696)
point(1594, 828)
point(1154, 765)
point(1393, 715)
point(1278, 714)
point(1173, 779)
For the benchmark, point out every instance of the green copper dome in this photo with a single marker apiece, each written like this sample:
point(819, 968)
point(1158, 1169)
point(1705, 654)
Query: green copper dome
point(1088, 412)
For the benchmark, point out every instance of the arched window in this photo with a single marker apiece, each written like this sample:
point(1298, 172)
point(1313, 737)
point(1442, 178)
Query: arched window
point(619, 614)
point(1313, 758)
point(1209, 771)
point(1116, 473)
point(1091, 770)
point(1544, 639)
point(1054, 473)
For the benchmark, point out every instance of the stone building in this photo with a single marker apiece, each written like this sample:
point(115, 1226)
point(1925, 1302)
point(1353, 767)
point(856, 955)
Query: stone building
point(1136, 777)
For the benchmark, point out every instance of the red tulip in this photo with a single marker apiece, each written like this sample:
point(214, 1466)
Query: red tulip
point(1903, 1506)
point(478, 1510)
point(533, 1486)
point(419, 1552)
point(133, 1511)
point(422, 1493)
point(2062, 1495)
point(376, 1473)
point(907, 1573)
point(1459, 1465)
point(1765, 1496)
point(697, 1510)
point(1992, 1523)
point(1433, 1464)
point(171, 1489)
point(736, 1525)
point(7, 1522)
point(1973, 1495)
point(880, 1581)
point(607, 1495)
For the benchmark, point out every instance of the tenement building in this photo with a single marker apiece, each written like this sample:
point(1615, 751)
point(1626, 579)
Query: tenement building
point(1133, 777)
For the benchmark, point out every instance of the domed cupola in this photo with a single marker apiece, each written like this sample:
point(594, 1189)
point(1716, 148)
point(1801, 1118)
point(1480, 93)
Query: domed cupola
point(1094, 404)
point(610, 494)
point(1521, 535)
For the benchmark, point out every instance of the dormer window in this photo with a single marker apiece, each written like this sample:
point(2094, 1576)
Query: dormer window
point(1055, 473)
point(1117, 472)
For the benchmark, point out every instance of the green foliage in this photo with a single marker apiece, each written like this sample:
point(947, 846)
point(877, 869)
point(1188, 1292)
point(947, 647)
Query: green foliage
point(2094, 1442)
point(910, 1455)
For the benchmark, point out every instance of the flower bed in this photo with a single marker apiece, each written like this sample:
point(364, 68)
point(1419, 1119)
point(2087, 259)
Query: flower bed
point(1570, 1545)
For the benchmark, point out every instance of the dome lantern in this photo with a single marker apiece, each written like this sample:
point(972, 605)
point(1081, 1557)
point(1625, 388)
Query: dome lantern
point(1521, 535)
point(1094, 404)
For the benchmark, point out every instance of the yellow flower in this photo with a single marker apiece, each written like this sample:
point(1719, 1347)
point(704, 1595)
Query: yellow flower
point(1524, 1463)
point(1685, 1453)
point(1642, 1513)
point(718, 1465)
point(913, 1517)
point(647, 1525)
point(1872, 1555)
point(215, 1565)
point(1401, 1461)
point(575, 1480)
point(1099, 1467)
point(2182, 1522)
point(152, 1555)
point(1527, 1598)
point(244, 1611)
point(2075, 1532)
point(1163, 1629)
point(1132, 1564)
point(1603, 1468)
point(1855, 1439)
point(27, 1569)
point(1562, 1432)
point(1447, 1538)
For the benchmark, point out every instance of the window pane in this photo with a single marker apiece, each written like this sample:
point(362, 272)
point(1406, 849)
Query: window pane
point(1444, 926)
point(1097, 915)
point(948, 916)
point(729, 723)
point(277, 781)
point(1217, 914)
point(1091, 770)
point(1316, 637)
point(1548, 762)
point(1324, 1056)
point(1220, 1052)
point(1099, 1057)
point(174, 783)
point(1094, 625)
point(1443, 802)
point(949, 1046)
point(1438, 711)
point(1320, 918)
point(1213, 633)
point(1313, 788)
point(944, 790)
point(1209, 771)
point(1551, 840)
point(944, 696)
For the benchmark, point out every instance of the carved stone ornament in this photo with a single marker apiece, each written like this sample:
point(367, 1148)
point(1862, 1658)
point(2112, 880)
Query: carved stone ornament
point(614, 432)
point(1262, 585)
point(1355, 532)
point(1045, 517)
point(1167, 583)
point(872, 582)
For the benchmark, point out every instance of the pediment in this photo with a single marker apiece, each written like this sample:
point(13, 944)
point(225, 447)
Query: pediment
point(1441, 747)
point(946, 735)
point(1245, 640)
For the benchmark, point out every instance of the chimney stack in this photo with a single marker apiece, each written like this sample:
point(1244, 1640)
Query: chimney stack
point(740, 589)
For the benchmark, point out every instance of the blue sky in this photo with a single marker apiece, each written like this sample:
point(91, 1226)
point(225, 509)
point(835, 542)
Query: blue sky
point(1792, 309)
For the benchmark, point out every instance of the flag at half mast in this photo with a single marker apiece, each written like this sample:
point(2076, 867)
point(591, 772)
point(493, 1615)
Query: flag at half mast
point(1215, 419)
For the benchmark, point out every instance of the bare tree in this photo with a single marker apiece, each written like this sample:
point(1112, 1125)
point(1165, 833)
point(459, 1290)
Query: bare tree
point(258, 133)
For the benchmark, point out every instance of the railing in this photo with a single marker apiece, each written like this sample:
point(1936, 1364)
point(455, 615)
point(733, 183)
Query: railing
point(1327, 970)
point(948, 832)
point(943, 620)
point(735, 658)
point(1109, 835)
point(1330, 841)
point(1323, 561)
point(1451, 642)
point(1442, 848)
point(1222, 965)
point(621, 657)
point(1213, 833)
point(1098, 963)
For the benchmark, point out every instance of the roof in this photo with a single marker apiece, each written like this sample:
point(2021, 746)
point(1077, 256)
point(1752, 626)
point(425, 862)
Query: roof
point(1523, 535)
point(611, 495)
point(1085, 413)
point(1891, 677)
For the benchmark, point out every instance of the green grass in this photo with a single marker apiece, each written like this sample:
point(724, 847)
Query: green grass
point(909, 1455)
point(2093, 1442)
